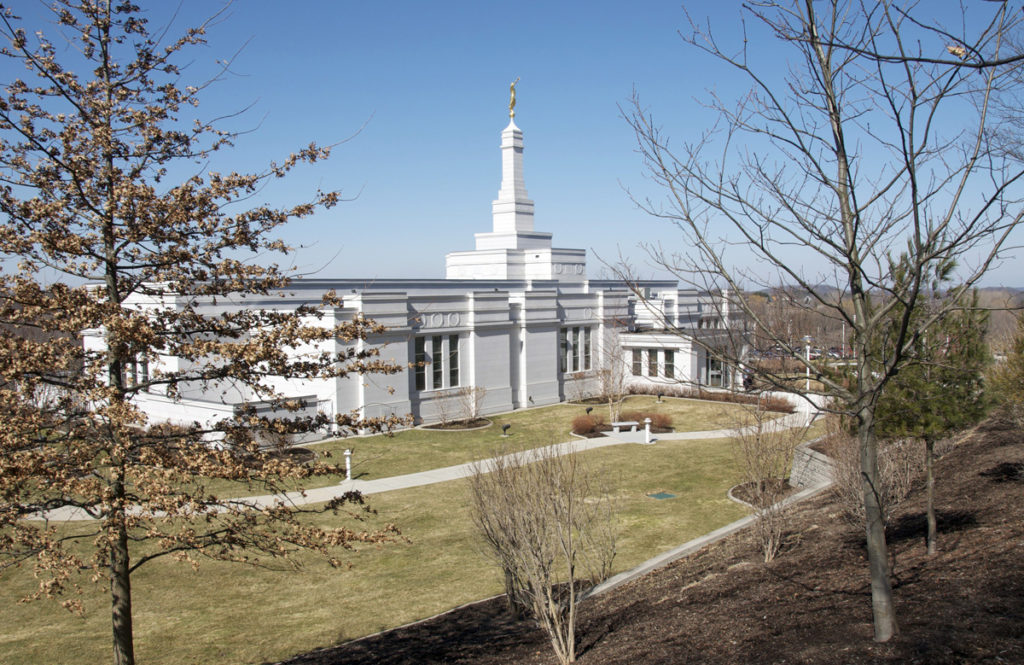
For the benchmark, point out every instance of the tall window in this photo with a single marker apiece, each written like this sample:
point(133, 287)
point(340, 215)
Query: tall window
point(575, 349)
point(574, 354)
point(670, 364)
point(652, 362)
point(420, 357)
point(637, 362)
point(563, 349)
point(441, 352)
point(437, 361)
point(714, 371)
point(453, 360)
point(586, 348)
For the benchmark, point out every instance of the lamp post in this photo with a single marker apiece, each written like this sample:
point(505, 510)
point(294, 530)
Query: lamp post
point(807, 346)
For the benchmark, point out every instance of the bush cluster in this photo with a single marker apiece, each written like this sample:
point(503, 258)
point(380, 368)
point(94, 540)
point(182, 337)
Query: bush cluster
point(768, 403)
point(661, 421)
point(587, 423)
point(899, 468)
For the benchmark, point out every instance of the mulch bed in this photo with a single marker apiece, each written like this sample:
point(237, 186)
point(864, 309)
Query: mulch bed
point(811, 606)
point(296, 455)
point(460, 424)
point(780, 490)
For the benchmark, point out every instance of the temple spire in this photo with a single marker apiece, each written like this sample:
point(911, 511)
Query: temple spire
point(512, 211)
point(513, 249)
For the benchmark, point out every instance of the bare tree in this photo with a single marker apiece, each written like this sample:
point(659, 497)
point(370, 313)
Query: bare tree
point(613, 371)
point(471, 398)
point(549, 524)
point(764, 450)
point(868, 151)
point(447, 405)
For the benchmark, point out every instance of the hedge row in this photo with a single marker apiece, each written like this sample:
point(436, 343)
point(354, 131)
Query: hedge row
point(769, 403)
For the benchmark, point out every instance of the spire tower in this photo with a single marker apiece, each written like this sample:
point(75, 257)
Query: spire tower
point(513, 249)
point(512, 211)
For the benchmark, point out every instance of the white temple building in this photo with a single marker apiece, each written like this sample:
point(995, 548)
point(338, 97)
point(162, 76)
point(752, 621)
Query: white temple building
point(515, 321)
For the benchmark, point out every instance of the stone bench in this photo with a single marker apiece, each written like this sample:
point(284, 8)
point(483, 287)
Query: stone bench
point(631, 424)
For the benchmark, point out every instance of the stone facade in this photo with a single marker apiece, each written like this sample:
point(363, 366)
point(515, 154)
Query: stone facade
point(515, 320)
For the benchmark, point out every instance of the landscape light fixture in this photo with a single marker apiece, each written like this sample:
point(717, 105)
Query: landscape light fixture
point(659, 398)
point(589, 409)
point(807, 345)
point(504, 429)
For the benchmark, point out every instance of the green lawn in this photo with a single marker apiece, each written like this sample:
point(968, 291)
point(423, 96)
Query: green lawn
point(233, 614)
point(413, 450)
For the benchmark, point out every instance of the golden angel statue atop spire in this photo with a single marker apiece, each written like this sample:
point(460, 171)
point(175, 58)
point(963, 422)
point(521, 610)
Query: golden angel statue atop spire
point(512, 99)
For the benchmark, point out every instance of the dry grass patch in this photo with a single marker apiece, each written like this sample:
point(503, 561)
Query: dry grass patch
point(233, 614)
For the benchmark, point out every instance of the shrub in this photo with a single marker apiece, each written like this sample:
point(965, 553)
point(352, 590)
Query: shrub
point(767, 402)
point(587, 424)
point(764, 453)
point(549, 523)
point(658, 420)
point(661, 420)
point(899, 467)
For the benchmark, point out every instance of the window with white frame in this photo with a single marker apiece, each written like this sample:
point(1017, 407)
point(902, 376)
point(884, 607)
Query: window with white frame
point(637, 362)
point(574, 349)
point(670, 364)
point(135, 372)
point(441, 354)
point(715, 375)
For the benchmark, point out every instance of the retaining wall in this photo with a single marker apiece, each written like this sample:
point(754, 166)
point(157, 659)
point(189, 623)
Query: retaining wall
point(810, 468)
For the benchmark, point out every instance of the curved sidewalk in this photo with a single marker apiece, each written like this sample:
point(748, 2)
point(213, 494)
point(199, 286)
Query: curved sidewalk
point(445, 474)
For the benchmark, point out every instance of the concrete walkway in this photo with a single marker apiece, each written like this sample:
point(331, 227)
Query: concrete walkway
point(445, 474)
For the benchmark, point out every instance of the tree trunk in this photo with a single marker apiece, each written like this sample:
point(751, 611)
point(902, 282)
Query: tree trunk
point(884, 613)
point(121, 585)
point(929, 456)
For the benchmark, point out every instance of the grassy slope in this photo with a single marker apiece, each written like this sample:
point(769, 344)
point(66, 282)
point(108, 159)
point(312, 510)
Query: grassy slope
point(238, 614)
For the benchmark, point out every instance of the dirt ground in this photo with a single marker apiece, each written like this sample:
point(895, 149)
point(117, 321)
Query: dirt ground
point(812, 605)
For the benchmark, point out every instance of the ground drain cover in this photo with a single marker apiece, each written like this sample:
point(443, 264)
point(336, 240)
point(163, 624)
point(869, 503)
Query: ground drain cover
point(662, 495)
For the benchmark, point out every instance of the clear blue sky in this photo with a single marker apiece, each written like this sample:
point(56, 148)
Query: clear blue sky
point(424, 86)
point(420, 90)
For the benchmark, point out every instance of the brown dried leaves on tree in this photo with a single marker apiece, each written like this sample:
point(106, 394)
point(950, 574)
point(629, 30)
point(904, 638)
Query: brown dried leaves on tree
point(93, 142)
